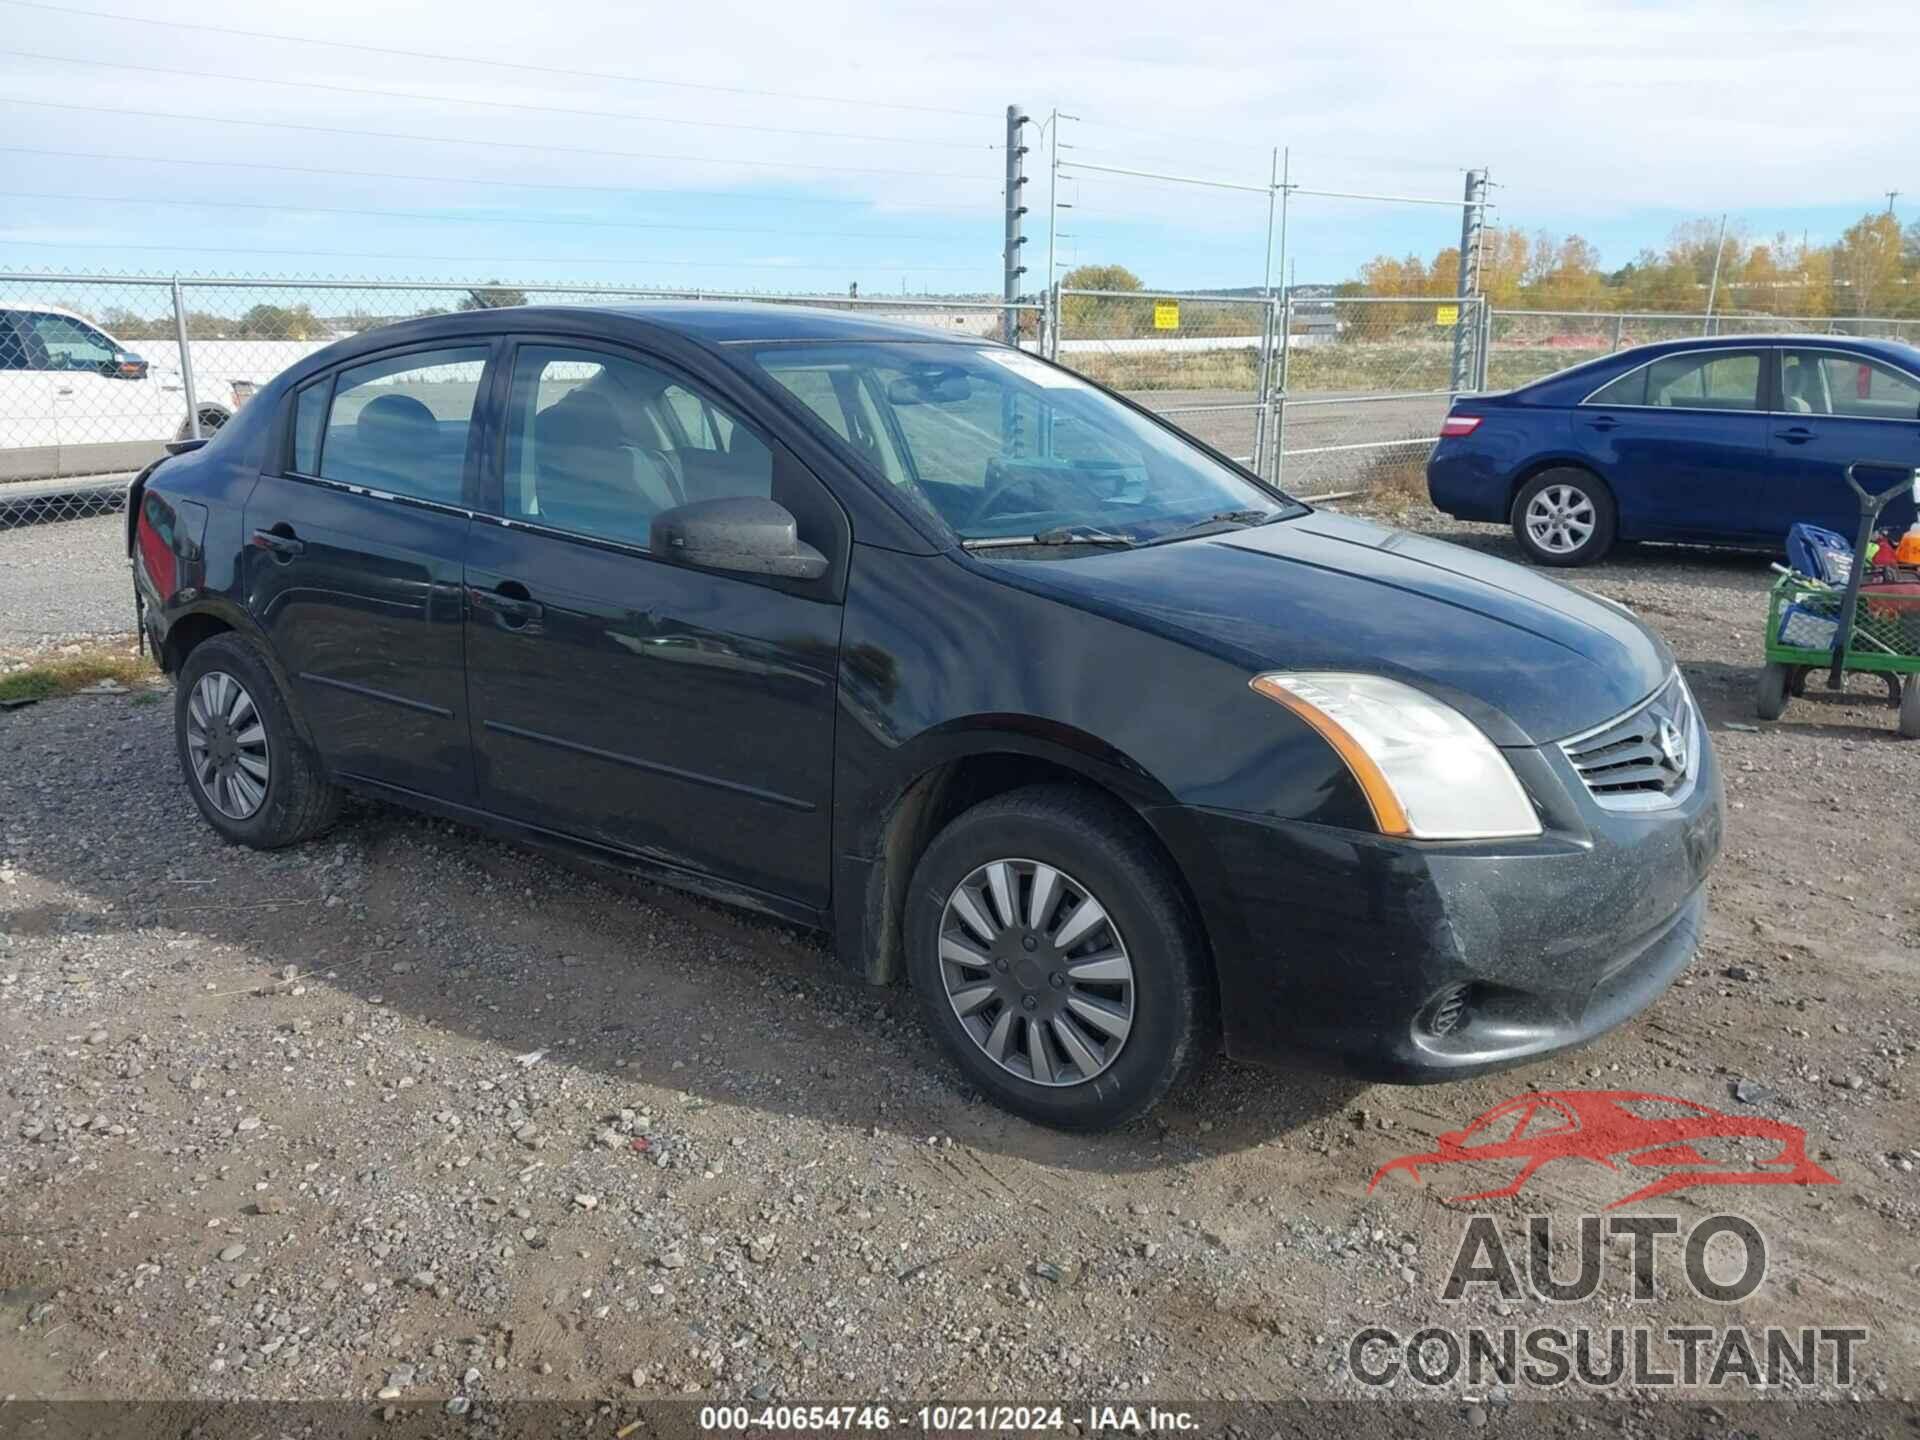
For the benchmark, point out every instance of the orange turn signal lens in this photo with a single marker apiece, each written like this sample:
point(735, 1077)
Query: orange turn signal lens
point(1388, 814)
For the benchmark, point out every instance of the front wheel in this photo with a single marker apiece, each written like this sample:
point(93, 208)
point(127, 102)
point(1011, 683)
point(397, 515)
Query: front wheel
point(1770, 695)
point(254, 778)
point(1057, 959)
point(1564, 516)
point(1910, 708)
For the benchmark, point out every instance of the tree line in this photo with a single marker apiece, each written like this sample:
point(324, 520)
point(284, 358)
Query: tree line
point(1872, 269)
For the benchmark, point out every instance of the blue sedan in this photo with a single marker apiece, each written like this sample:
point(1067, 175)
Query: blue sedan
point(1724, 441)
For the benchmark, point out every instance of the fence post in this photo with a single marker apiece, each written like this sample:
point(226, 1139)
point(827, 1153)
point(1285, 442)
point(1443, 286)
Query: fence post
point(1472, 218)
point(1619, 332)
point(1280, 394)
point(1016, 186)
point(186, 361)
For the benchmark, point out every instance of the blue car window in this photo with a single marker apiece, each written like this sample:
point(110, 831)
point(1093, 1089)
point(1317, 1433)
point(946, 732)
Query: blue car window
point(1717, 380)
point(1629, 389)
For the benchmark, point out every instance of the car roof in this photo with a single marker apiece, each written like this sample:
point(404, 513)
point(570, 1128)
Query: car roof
point(15, 306)
point(1898, 351)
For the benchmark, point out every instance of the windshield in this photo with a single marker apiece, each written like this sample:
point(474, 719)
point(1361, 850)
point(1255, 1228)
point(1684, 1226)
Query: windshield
point(1001, 446)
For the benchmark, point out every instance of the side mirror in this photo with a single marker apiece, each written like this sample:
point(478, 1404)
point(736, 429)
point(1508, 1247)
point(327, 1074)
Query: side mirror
point(755, 537)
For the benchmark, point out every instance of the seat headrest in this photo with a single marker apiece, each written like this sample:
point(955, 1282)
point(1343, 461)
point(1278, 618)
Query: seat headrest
point(397, 423)
point(578, 419)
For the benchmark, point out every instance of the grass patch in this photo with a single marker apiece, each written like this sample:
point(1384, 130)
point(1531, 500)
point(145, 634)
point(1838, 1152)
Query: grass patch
point(42, 679)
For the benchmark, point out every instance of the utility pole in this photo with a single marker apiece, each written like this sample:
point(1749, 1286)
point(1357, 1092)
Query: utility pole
point(1892, 195)
point(1016, 208)
point(1473, 222)
point(1713, 286)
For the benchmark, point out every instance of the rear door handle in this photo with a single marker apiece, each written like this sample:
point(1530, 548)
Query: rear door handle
point(282, 543)
point(1604, 422)
point(513, 611)
point(1794, 434)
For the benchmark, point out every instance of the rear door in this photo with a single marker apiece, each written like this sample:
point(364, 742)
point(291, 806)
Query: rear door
point(357, 534)
point(29, 436)
point(1682, 441)
point(682, 714)
point(1836, 408)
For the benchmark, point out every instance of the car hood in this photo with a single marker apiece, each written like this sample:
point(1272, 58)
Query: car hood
point(1527, 659)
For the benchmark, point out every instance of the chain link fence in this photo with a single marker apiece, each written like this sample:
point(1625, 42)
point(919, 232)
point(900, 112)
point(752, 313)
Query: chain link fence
point(1203, 361)
point(1527, 345)
point(1364, 383)
point(99, 372)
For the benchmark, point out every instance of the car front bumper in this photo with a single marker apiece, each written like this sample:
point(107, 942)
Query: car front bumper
point(1335, 950)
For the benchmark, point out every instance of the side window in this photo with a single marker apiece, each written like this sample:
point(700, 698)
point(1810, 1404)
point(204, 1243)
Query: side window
point(309, 417)
point(600, 444)
point(1720, 380)
point(843, 398)
point(400, 424)
point(1817, 382)
point(1629, 389)
point(66, 343)
point(701, 427)
point(13, 349)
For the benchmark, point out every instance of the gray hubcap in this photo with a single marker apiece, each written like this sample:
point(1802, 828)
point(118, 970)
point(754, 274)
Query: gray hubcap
point(1560, 519)
point(227, 745)
point(1037, 972)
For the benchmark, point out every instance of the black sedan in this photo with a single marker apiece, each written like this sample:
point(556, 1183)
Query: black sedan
point(1110, 749)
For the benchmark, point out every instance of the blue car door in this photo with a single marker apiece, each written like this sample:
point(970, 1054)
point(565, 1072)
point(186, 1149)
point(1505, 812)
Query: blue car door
point(1837, 408)
point(1681, 441)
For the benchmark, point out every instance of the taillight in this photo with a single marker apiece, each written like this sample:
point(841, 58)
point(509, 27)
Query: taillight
point(1455, 426)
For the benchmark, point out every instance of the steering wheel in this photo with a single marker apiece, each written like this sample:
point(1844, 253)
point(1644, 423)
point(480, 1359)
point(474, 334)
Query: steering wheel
point(999, 481)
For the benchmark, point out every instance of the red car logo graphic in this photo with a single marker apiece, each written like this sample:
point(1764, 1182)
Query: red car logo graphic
point(1619, 1128)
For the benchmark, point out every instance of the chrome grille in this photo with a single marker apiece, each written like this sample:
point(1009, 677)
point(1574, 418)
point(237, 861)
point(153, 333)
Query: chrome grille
point(1645, 759)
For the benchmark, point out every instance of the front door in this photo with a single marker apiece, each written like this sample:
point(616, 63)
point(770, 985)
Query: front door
point(356, 540)
point(1682, 441)
point(680, 714)
point(1836, 409)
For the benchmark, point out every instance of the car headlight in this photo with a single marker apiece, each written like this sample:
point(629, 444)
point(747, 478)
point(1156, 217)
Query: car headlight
point(1427, 771)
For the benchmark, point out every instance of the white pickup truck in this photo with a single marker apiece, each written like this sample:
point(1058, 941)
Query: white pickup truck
point(76, 401)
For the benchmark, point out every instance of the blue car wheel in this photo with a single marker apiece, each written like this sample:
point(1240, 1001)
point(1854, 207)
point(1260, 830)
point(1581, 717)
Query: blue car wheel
point(1564, 516)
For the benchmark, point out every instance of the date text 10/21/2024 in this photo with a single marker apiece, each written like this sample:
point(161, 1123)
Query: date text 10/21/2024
point(987, 1419)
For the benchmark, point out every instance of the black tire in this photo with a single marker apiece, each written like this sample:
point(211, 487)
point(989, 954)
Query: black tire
point(1586, 492)
point(299, 801)
point(1910, 709)
point(1102, 848)
point(1770, 695)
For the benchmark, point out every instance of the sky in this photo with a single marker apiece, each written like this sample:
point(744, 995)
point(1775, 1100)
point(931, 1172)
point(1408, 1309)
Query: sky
point(801, 148)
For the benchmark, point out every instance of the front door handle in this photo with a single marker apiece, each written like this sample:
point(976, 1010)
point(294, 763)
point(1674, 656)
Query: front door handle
point(1794, 434)
point(508, 603)
point(280, 542)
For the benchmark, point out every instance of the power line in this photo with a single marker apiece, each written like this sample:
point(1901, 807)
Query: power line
point(495, 104)
point(462, 219)
point(833, 266)
point(521, 65)
point(484, 143)
point(201, 164)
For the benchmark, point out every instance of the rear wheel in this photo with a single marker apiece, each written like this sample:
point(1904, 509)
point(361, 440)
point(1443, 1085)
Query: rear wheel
point(1564, 516)
point(256, 781)
point(1770, 695)
point(1057, 959)
point(211, 419)
point(1910, 708)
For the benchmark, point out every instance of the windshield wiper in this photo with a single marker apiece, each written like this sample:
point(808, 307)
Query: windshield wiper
point(1235, 519)
point(1059, 535)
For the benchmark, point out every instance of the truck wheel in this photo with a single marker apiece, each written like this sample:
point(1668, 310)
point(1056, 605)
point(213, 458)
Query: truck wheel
point(1910, 709)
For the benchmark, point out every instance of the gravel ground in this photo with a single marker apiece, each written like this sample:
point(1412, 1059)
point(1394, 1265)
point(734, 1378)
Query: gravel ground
point(408, 1113)
point(62, 581)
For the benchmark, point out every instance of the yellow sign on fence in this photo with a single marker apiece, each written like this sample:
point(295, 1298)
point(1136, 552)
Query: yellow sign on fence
point(1166, 314)
point(1446, 315)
